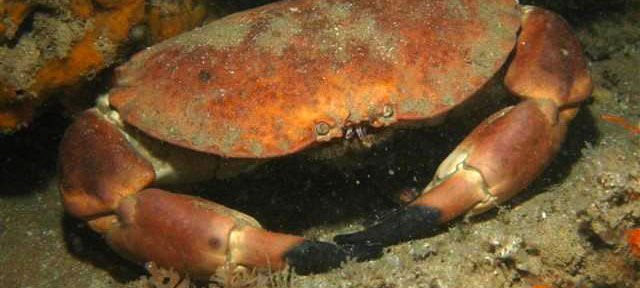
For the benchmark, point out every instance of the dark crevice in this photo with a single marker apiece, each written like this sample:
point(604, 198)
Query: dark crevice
point(27, 25)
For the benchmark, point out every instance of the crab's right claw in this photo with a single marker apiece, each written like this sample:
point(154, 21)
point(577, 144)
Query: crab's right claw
point(105, 180)
point(311, 256)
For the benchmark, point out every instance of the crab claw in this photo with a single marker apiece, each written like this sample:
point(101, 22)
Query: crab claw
point(193, 235)
point(401, 225)
point(509, 149)
point(490, 166)
point(311, 256)
point(196, 235)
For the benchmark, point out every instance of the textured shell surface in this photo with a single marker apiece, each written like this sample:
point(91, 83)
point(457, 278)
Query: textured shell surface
point(273, 80)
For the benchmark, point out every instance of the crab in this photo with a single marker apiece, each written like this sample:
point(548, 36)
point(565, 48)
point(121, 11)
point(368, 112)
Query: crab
point(303, 75)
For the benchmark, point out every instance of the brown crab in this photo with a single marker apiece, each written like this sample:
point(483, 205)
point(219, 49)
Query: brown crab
point(288, 76)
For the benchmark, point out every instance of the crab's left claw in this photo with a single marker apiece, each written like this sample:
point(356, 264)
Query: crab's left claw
point(497, 160)
point(509, 149)
point(408, 223)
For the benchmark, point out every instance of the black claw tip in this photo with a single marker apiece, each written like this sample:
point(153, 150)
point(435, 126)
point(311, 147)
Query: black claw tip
point(363, 251)
point(312, 256)
point(409, 223)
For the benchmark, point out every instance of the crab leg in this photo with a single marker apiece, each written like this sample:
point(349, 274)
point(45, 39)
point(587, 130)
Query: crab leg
point(509, 149)
point(104, 180)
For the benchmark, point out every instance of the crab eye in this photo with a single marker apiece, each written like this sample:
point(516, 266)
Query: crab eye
point(322, 128)
point(387, 111)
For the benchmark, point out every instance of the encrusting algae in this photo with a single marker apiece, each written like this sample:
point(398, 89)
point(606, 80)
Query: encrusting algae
point(96, 32)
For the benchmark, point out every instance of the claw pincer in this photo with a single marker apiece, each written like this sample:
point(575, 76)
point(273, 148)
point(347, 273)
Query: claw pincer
point(510, 149)
point(187, 233)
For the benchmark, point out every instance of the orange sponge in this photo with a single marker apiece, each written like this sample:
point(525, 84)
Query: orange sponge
point(633, 240)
